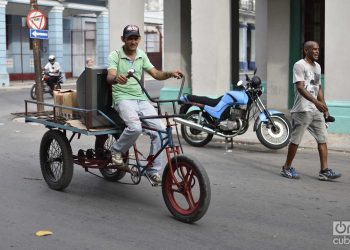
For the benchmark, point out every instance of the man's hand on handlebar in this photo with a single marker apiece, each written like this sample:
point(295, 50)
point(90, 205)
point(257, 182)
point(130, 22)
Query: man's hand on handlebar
point(121, 79)
point(176, 74)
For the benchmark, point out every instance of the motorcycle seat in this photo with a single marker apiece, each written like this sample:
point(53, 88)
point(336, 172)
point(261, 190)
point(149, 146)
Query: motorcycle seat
point(203, 100)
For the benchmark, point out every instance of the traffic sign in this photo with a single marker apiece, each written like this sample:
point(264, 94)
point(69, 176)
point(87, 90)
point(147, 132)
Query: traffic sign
point(39, 34)
point(36, 19)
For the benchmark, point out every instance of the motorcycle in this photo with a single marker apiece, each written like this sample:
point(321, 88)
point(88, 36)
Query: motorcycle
point(46, 87)
point(229, 116)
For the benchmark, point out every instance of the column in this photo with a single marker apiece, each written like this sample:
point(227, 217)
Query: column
point(177, 45)
point(211, 47)
point(102, 39)
point(55, 21)
point(4, 76)
point(243, 66)
point(261, 38)
point(252, 65)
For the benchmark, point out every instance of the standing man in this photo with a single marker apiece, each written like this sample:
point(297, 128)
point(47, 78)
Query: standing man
point(309, 112)
point(129, 100)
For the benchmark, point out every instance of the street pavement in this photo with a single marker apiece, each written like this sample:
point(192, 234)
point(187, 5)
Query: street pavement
point(252, 206)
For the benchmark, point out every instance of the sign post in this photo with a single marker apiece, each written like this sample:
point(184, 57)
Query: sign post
point(36, 20)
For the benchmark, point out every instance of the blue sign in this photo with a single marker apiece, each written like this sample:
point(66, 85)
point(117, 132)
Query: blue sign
point(39, 34)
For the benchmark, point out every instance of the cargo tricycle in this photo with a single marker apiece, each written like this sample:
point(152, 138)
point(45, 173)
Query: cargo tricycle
point(185, 183)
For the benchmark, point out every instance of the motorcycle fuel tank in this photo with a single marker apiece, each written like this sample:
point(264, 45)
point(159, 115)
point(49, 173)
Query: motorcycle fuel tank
point(229, 99)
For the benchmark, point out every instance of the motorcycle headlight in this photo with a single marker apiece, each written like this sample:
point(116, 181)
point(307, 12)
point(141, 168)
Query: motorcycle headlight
point(256, 82)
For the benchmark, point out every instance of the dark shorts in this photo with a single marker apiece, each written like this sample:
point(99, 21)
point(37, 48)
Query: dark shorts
point(311, 121)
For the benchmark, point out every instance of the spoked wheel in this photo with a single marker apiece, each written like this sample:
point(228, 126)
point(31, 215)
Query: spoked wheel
point(186, 189)
point(274, 137)
point(56, 160)
point(105, 142)
point(194, 136)
point(32, 92)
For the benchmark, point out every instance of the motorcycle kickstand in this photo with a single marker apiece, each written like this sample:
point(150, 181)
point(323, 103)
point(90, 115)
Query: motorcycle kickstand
point(227, 140)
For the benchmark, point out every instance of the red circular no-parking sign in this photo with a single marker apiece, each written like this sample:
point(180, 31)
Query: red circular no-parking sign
point(36, 19)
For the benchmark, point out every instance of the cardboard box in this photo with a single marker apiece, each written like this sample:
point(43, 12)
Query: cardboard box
point(66, 97)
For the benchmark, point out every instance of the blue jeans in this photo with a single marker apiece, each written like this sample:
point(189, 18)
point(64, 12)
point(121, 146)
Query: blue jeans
point(130, 111)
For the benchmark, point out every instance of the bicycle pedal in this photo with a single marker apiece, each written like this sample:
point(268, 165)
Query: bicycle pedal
point(154, 184)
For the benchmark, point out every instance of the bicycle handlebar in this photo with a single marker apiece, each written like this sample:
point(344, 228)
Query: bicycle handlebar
point(131, 74)
point(173, 101)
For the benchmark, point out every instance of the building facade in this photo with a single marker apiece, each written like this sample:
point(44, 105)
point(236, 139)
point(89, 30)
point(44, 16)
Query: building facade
point(77, 30)
point(282, 26)
point(203, 40)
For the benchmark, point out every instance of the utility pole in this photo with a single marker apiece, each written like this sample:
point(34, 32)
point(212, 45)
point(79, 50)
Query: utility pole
point(37, 64)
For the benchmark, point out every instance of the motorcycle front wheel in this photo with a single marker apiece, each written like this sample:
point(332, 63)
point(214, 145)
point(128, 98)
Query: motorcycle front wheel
point(193, 136)
point(274, 137)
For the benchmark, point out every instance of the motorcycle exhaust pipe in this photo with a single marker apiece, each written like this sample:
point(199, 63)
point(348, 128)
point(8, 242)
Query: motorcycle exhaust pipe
point(205, 129)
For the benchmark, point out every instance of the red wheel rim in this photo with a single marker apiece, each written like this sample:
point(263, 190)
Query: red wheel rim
point(185, 197)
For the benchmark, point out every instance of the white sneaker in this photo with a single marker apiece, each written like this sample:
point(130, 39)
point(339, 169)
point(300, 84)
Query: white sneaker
point(155, 177)
point(117, 158)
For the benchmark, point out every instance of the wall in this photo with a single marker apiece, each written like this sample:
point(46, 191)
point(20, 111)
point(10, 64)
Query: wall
point(124, 13)
point(337, 40)
point(278, 53)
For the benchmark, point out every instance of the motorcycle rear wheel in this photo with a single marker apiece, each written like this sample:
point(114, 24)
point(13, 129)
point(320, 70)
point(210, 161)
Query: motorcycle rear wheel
point(193, 136)
point(57, 86)
point(274, 138)
point(32, 92)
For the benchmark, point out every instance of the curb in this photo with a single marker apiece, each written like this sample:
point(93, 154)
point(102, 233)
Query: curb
point(18, 87)
point(257, 143)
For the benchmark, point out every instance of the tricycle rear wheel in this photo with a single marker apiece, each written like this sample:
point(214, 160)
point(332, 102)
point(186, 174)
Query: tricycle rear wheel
point(105, 142)
point(186, 189)
point(56, 160)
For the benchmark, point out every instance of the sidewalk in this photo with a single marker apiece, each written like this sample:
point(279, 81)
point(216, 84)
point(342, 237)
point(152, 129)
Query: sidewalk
point(336, 142)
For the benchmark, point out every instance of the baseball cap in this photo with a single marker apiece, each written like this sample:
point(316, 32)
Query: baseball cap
point(131, 30)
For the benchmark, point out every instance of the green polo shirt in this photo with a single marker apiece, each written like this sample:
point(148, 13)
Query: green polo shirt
point(120, 62)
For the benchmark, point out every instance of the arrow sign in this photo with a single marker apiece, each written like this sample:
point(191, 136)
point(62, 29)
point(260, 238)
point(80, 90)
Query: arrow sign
point(39, 34)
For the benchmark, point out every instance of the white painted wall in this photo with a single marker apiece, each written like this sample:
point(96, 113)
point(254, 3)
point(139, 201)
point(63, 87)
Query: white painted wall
point(122, 13)
point(337, 40)
point(211, 47)
point(278, 53)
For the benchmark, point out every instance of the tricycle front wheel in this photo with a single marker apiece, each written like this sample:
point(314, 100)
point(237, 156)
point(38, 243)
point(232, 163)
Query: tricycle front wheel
point(56, 160)
point(186, 189)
